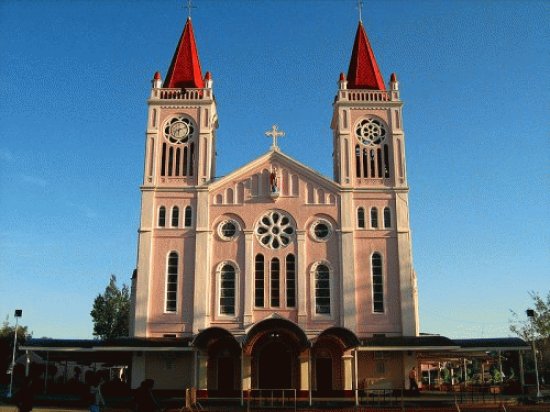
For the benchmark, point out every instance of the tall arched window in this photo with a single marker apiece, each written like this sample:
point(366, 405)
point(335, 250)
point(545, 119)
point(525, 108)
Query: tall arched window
point(377, 283)
point(387, 217)
point(175, 216)
point(322, 290)
point(162, 216)
point(188, 217)
point(259, 281)
point(171, 282)
point(374, 218)
point(227, 290)
point(361, 217)
point(275, 283)
point(290, 281)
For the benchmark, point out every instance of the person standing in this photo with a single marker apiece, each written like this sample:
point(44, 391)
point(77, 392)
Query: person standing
point(413, 385)
point(96, 396)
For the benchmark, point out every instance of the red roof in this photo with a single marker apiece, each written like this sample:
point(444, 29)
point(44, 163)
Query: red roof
point(185, 69)
point(363, 72)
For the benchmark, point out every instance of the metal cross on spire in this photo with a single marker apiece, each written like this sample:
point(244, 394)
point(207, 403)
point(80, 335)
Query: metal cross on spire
point(189, 6)
point(360, 9)
point(274, 133)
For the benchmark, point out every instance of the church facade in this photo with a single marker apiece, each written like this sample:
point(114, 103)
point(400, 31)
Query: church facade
point(275, 276)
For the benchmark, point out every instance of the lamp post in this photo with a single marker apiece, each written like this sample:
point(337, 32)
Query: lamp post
point(17, 315)
point(531, 314)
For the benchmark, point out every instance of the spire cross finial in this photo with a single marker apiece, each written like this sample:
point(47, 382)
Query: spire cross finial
point(274, 133)
point(189, 6)
point(360, 8)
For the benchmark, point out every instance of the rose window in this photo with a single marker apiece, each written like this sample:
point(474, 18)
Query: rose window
point(178, 129)
point(370, 131)
point(275, 230)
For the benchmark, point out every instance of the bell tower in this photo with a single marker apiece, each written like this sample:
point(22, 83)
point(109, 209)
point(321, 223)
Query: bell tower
point(369, 165)
point(180, 162)
point(366, 123)
point(182, 122)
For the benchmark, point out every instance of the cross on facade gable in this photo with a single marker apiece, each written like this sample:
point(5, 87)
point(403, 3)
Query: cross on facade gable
point(274, 133)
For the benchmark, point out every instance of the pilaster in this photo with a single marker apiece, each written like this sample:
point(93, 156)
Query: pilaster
point(248, 277)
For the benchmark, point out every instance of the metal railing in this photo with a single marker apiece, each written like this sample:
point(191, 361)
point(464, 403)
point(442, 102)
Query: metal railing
point(276, 399)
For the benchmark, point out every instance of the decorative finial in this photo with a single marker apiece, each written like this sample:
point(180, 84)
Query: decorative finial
point(274, 133)
point(189, 7)
point(360, 9)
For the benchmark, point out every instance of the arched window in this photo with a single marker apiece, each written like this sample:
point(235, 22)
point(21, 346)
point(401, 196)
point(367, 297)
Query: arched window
point(361, 218)
point(322, 290)
point(163, 161)
point(290, 281)
point(374, 218)
point(275, 283)
point(175, 216)
point(227, 290)
point(377, 284)
point(387, 217)
point(386, 161)
point(171, 282)
point(188, 217)
point(259, 281)
point(162, 216)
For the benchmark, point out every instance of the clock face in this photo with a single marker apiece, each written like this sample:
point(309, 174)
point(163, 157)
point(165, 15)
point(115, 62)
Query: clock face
point(178, 129)
point(370, 132)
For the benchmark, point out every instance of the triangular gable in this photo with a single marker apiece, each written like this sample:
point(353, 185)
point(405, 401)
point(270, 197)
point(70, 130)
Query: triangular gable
point(284, 161)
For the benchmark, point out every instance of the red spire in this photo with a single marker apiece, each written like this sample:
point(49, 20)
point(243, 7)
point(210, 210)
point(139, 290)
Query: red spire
point(185, 69)
point(363, 72)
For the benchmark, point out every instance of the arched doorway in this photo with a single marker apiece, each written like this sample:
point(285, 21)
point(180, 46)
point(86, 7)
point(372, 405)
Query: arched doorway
point(274, 346)
point(223, 365)
point(275, 366)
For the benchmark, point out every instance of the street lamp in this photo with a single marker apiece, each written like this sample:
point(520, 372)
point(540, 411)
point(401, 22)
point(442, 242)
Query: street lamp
point(17, 315)
point(531, 314)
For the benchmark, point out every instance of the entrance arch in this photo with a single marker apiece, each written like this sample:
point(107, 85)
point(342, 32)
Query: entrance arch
point(274, 346)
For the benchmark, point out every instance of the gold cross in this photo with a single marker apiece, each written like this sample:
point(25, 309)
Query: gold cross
point(274, 133)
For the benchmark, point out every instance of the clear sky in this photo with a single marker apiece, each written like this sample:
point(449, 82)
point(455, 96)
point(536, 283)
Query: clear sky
point(474, 75)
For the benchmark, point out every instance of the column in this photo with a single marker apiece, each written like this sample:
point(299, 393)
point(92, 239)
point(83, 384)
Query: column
point(302, 277)
point(348, 372)
point(248, 277)
point(304, 370)
point(202, 383)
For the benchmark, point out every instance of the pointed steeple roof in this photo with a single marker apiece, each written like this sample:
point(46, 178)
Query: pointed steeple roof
point(363, 72)
point(185, 69)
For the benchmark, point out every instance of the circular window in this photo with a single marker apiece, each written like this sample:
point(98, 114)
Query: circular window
point(227, 230)
point(274, 230)
point(321, 230)
point(178, 129)
point(370, 132)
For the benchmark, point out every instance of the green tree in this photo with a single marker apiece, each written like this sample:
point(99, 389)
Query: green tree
point(7, 333)
point(111, 311)
point(536, 329)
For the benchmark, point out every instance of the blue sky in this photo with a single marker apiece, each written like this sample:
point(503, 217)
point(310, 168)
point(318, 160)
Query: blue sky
point(473, 75)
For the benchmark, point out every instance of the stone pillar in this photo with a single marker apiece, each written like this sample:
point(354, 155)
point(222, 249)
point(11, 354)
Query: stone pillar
point(301, 277)
point(202, 383)
point(304, 370)
point(248, 277)
point(347, 361)
point(246, 371)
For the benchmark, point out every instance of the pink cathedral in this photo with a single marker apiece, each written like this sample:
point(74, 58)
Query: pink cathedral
point(275, 276)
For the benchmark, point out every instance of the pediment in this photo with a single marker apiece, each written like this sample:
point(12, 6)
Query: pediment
point(273, 176)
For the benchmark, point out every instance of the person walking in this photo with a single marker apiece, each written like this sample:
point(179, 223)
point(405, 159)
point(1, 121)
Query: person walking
point(144, 398)
point(24, 399)
point(96, 396)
